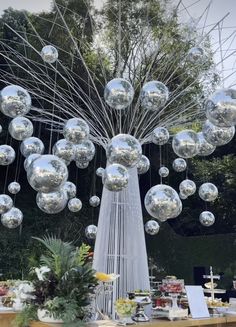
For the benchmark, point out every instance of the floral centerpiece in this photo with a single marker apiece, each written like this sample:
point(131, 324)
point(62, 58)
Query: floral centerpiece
point(125, 309)
point(62, 284)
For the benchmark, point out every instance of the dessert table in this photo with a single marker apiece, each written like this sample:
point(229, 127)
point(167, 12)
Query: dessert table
point(229, 321)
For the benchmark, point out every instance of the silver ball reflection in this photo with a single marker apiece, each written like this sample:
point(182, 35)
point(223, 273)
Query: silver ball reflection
point(91, 232)
point(205, 148)
point(0, 128)
point(217, 136)
point(221, 108)
point(14, 187)
point(208, 192)
point(124, 149)
point(160, 136)
point(14, 101)
point(185, 144)
point(70, 189)
point(118, 93)
point(74, 205)
point(163, 171)
point(76, 130)
point(12, 218)
point(162, 202)
point(84, 151)
point(52, 202)
point(82, 164)
point(64, 150)
point(94, 201)
point(154, 95)
point(179, 165)
point(47, 173)
point(100, 171)
point(7, 155)
point(187, 187)
point(143, 165)
point(207, 218)
point(6, 203)
point(31, 145)
point(49, 54)
point(115, 177)
point(196, 55)
point(29, 159)
point(20, 128)
point(152, 227)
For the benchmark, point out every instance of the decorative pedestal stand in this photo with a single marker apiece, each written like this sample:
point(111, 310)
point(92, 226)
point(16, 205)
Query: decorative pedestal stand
point(120, 243)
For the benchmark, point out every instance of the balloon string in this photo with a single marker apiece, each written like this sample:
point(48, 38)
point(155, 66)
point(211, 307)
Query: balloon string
point(160, 152)
point(119, 42)
point(187, 169)
point(53, 109)
point(7, 170)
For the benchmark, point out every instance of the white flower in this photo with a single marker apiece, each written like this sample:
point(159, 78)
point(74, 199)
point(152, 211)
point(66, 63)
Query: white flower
point(41, 271)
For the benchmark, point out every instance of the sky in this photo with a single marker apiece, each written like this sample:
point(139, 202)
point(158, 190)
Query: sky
point(193, 8)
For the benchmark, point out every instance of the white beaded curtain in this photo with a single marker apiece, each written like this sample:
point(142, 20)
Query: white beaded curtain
point(120, 243)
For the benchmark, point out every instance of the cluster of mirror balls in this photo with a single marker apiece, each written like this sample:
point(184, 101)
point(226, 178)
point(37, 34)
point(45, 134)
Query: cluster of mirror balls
point(48, 173)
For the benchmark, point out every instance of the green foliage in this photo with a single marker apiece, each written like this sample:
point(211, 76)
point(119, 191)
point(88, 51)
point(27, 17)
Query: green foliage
point(65, 286)
point(28, 314)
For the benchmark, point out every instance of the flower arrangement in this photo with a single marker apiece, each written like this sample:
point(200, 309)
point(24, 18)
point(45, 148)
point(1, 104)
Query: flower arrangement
point(61, 284)
point(125, 307)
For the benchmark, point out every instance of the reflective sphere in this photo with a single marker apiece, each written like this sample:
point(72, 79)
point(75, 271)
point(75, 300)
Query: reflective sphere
point(64, 150)
point(12, 218)
point(31, 145)
point(0, 128)
point(91, 232)
point(14, 101)
point(205, 148)
point(154, 95)
point(115, 177)
point(76, 130)
point(179, 165)
point(143, 165)
point(70, 189)
point(7, 155)
point(162, 202)
point(49, 54)
point(221, 108)
point(52, 202)
point(124, 149)
point(6, 203)
point(195, 55)
point(94, 201)
point(74, 205)
point(29, 159)
point(217, 135)
point(20, 128)
point(152, 227)
point(47, 173)
point(14, 187)
point(208, 192)
point(182, 196)
point(100, 171)
point(163, 171)
point(118, 93)
point(207, 218)
point(160, 136)
point(84, 151)
point(187, 187)
point(82, 164)
point(185, 144)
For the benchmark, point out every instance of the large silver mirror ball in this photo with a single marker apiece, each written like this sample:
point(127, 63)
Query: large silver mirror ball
point(207, 218)
point(49, 54)
point(7, 155)
point(208, 192)
point(76, 130)
point(152, 227)
point(154, 95)
point(20, 128)
point(124, 149)
point(162, 202)
point(160, 136)
point(52, 202)
point(6, 203)
point(217, 136)
point(143, 165)
point(186, 144)
point(115, 177)
point(91, 232)
point(31, 145)
point(14, 101)
point(47, 173)
point(12, 218)
point(118, 93)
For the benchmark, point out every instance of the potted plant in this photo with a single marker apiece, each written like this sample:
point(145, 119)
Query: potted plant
point(62, 284)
